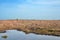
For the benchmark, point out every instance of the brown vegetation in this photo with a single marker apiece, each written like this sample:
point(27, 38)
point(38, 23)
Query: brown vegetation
point(36, 26)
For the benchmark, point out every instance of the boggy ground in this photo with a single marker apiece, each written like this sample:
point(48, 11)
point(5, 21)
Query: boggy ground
point(48, 27)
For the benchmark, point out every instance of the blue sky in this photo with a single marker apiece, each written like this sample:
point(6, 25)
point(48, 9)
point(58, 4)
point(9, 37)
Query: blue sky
point(30, 9)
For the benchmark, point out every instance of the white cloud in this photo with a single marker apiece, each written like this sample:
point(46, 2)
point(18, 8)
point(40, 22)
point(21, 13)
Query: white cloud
point(43, 1)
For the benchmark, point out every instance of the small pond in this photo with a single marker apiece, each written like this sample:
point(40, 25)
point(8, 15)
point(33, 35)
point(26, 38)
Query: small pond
point(20, 35)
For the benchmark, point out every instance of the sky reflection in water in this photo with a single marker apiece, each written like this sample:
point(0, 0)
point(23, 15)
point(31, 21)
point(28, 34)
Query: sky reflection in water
point(19, 35)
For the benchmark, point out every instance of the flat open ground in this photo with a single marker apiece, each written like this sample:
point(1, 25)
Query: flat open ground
point(51, 27)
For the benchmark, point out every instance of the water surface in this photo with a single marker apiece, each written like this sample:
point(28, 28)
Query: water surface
point(19, 35)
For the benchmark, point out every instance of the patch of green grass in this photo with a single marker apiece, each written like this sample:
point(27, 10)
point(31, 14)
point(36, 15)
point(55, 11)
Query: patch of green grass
point(5, 36)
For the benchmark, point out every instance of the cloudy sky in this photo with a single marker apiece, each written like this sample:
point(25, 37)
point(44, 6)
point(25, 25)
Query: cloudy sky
point(30, 9)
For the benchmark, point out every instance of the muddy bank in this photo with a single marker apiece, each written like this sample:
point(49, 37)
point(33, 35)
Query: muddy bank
point(50, 27)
